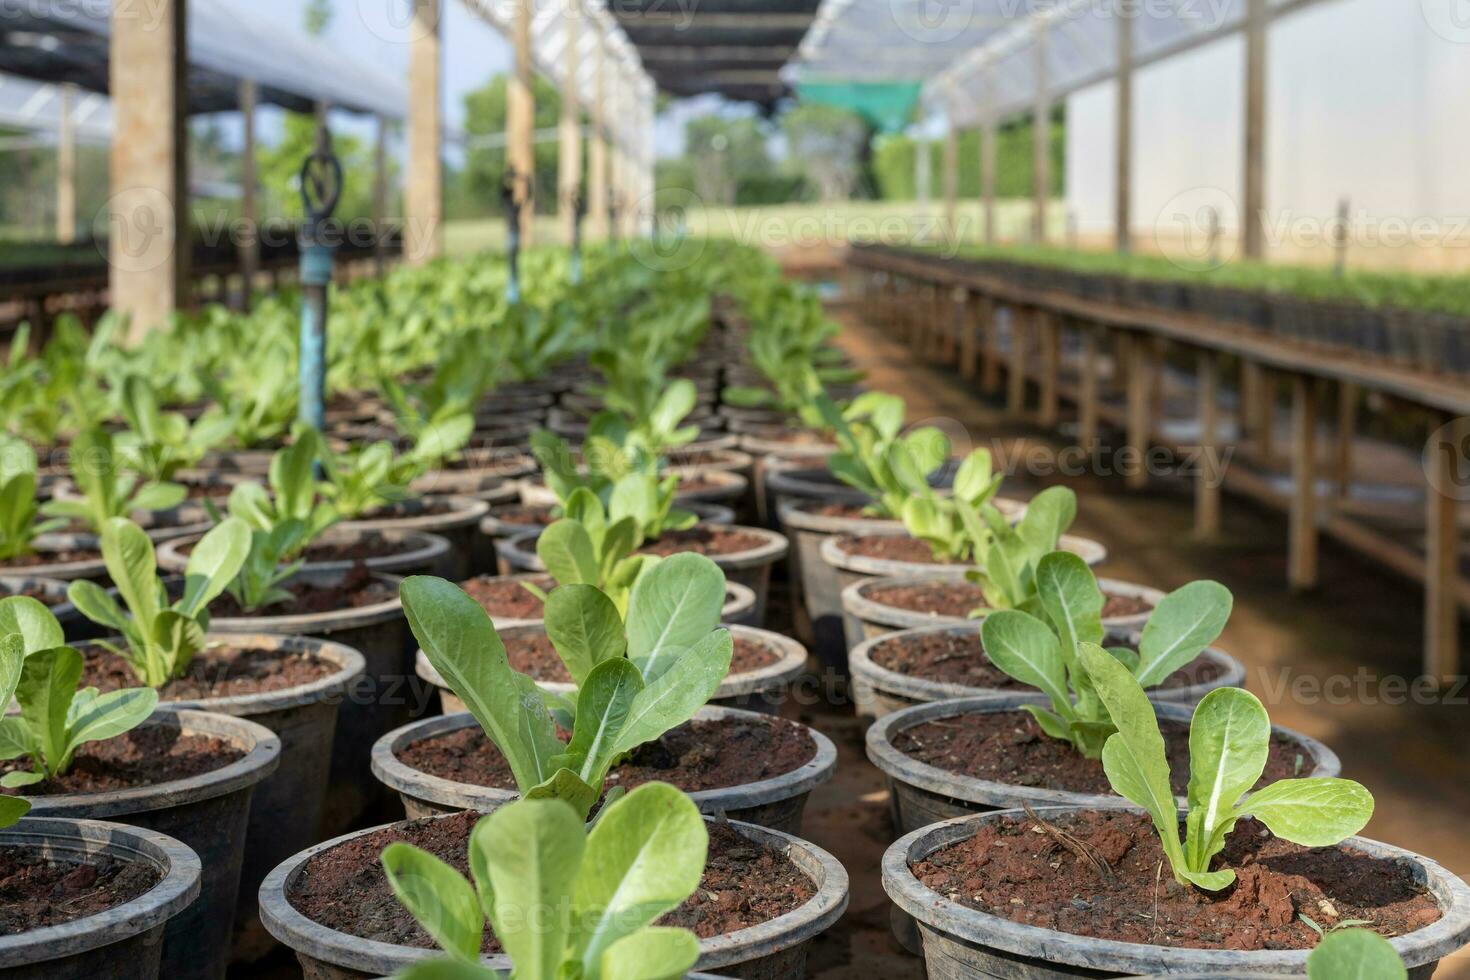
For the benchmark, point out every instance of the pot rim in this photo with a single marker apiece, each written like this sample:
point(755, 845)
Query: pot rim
point(833, 553)
point(861, 663)
point(65, 571)
point(402, 778)
point(466, 512)
point(350, 665)
point(331, 620)
point(1421, 946)
point(774, 453)
point(772, 677)
point(307, 937)
point(856, 603)
point(176, 889)
point(423, 549)
point(64, 611)
point(989, 792)
point(262, 754)
point(513, 549)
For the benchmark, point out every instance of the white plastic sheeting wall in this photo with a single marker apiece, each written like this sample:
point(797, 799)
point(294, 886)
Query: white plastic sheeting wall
point(1366, 99)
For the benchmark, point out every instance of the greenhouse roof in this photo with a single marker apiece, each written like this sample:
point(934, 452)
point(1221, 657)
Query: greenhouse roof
point(228, 42)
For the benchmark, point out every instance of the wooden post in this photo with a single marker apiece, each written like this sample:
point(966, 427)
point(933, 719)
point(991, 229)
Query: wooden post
point(951, 170)
point(1301, 559)
point(968, 325)
point(1442, 546)
point(1087, 396)
point(597, 215)
point(66, 168)
point(1265, 412)
point(1041, 141)
point(1346, 431)
point(987, 159)
point(1138, 410)
point(520, 122)
point(1050, 336)
point(1123, 173)
point(1257, 18)
point(249, 210)
point(990, 371)
point(1207, 480)
point(1016, 381)
point(423, 199)
point(380, 197)
point(569, 141)
point(149, 248)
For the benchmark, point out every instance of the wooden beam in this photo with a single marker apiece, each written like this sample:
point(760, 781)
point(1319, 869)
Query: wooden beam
point(1041, 140)
point(1016, 380)
point(1208, 478)
point(1343, 435)
point(990, 369)
point(951, 170)
point(380, 196)
point(1049, 336)
point(520, 123)
point(987, 159)
point(1123, 158)
point(423, 236)
point(1087, 398)
point(1445, 463)
point(597, 196)
point(1256, 25)
point(569, 140)
point(1301, 557)
point(151, 225)
point(249, 211)
point(66, 168)
point(969, 335)
point(1138, 402)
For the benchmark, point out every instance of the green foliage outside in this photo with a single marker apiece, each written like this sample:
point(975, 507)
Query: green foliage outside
point(894, 170)
point(485, 111)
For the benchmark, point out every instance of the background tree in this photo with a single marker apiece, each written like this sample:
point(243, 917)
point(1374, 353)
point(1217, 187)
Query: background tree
point(827, 145)
point(485, 111)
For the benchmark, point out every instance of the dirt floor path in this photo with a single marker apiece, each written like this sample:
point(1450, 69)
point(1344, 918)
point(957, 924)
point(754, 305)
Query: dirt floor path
point(1338, 664)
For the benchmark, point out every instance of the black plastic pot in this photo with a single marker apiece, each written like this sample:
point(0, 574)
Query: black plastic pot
point(209, 813)
point(961, 943)
point(126, 941)
point(458, 525)
point(54, 598)
point(50, 567)
point(767, 951)
point(776, 803)
point(405, 552)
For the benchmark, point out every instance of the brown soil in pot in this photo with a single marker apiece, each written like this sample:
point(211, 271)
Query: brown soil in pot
point(536, 656)
point(519, 515)
point(36, 892)
point(847, 512)
point(1010, 747)
point(345, 888)
point(220, 671)
point(697, 755)
point(958, 599)
point(418, 507)
point(893, 547)
point(1012, 869)
point(702, 539)
point(699, 482)
point(360, 548)
point(507, 598)
point(50, 558)
point(959, 658)
point(146, 756)
point(356, 590)
point(208, 491)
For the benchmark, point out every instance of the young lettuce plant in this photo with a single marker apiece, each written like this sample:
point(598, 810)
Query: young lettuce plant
point(1042, 650)
point(158, 444)
point(55, 717)
point(948, 523)
point(635, 680)
point(368, 477)
point(161, 637)
point(1229, 739)
point(563, 902)
point(1357, 954)
point(20, 523)
point(1008, 555)
point(295, 494)
point(875, 456)
point(106, 491)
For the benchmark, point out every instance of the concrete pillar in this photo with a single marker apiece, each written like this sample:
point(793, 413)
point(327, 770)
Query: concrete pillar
point(597, 150)
point(1123, 172)
point(569, 145)
point(1041, 141)
point(249, 211)
point(66, 168)
point(1257, 17)
point(423, 236)
point(150, 228)
point(520, 122)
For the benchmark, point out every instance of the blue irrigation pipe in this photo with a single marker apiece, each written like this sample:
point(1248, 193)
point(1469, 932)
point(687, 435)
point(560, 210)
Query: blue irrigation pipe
point(321, 189)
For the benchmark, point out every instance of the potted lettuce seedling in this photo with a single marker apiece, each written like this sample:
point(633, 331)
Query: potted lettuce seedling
point(158, 444)
point(160, 637)
point(871, 440)
point(635, 680)
point(104, 490)
point(562, 900)
point(21, 523)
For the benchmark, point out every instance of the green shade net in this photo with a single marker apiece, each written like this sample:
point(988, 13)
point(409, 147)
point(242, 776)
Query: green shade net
point(886, 105)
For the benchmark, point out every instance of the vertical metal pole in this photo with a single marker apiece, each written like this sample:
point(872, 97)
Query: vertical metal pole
point(249, 212)
point(66, 168)
point(987, 158)
point(512, 237)
point(1041, 141)
point(1256, 20)
point(321, 189)
point(1123, 174)
point(380, 197)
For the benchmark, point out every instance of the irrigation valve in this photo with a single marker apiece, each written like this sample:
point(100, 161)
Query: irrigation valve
point(579, 211)
point(321, 189)
point(511, 203)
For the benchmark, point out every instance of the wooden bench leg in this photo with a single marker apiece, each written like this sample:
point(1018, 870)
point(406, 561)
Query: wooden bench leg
point(1302, 548)
point(1445, 467)
point(1207, 479)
